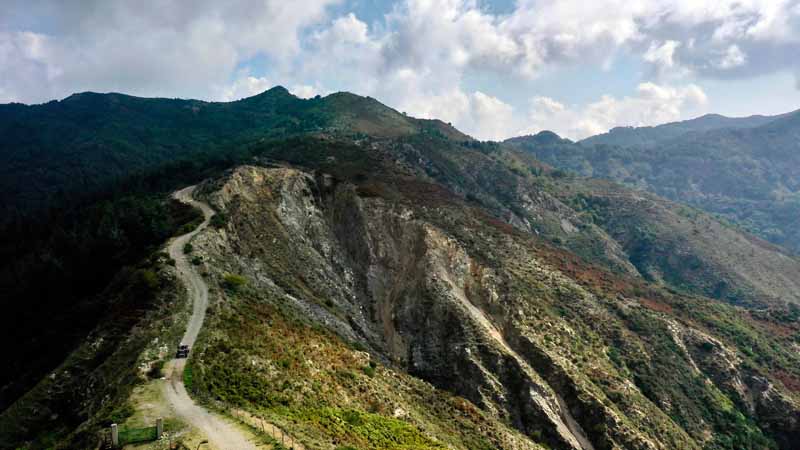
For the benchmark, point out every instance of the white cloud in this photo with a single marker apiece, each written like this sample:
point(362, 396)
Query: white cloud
point(22, 60)
point(662, 54)
point(492, 118)
point(489, 118)
point(478, 114)
point(243, 87)
point(653, 104)
point(539, 34)
point(546, 106)
point(247, 86)
point(733, 57)
point(421, 58)
point(151, 47)
point(347, 29)
point(450, 106)
point(306, 91)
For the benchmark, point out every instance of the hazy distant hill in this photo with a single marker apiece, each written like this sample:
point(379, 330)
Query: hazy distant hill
point(747, 170)
point(649, 136)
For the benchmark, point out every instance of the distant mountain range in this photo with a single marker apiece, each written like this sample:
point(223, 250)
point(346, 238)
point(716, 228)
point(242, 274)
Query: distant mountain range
point(747, 170)
point(649, 136)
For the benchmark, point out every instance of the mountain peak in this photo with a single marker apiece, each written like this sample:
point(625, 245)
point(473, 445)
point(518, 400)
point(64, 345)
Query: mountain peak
point(547, 136)
point(544, 137)
point(277, 90)
point(273, 93)
point(78, 96)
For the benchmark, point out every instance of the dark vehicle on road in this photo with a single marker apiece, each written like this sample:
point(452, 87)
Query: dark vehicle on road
point(183, 351)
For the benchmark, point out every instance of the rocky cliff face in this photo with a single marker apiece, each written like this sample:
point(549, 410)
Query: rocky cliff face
point(567, 354)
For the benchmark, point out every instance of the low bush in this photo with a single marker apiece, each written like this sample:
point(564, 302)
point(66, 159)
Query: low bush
point(219, 220)
point(369, 370)
point(233, 282)
point(156, 370)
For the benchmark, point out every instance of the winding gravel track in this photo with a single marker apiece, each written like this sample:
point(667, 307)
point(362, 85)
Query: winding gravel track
point(220, 433)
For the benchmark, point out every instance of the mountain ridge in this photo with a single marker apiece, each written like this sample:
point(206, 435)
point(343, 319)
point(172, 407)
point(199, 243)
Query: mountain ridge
point(652, 135)
point(747, 175)
point(356, 253)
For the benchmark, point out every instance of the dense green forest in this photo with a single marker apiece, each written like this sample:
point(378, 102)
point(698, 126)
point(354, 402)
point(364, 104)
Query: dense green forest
point(56, 268)
point(85, 194)
point(84, 185)
point(65, 151)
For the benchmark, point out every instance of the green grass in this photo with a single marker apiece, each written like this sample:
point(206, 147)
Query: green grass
point(365, 430)
point(188, 377)
point(343, 399)
point(136, 435)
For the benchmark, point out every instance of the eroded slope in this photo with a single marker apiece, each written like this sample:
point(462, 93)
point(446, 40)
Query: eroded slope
point(565, 353)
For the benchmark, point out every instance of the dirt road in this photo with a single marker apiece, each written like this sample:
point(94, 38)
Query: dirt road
point(221, 434)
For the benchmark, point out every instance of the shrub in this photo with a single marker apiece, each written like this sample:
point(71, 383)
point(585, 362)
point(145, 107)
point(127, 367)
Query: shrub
point(233, 282)
point(158, 256)
point(707, 346)
point(157, 370)
point(196, 260)
point(359, 346)
point(119, 414)
point(352, 417)
point(188, 248)
point(369, 370)
point(145, 282)
point(219, 220)
point(190, 226)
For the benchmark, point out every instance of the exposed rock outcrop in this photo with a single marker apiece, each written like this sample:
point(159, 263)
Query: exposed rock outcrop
point(455, 301)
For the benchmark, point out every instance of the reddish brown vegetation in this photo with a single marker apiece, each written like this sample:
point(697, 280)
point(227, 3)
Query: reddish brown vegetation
point(656, 305)
point(791, 381)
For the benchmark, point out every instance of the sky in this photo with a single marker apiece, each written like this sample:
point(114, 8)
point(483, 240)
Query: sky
point(493, 68)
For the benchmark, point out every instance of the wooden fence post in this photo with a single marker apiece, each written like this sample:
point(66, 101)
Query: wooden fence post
point(114, 435)
point(159, 427)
